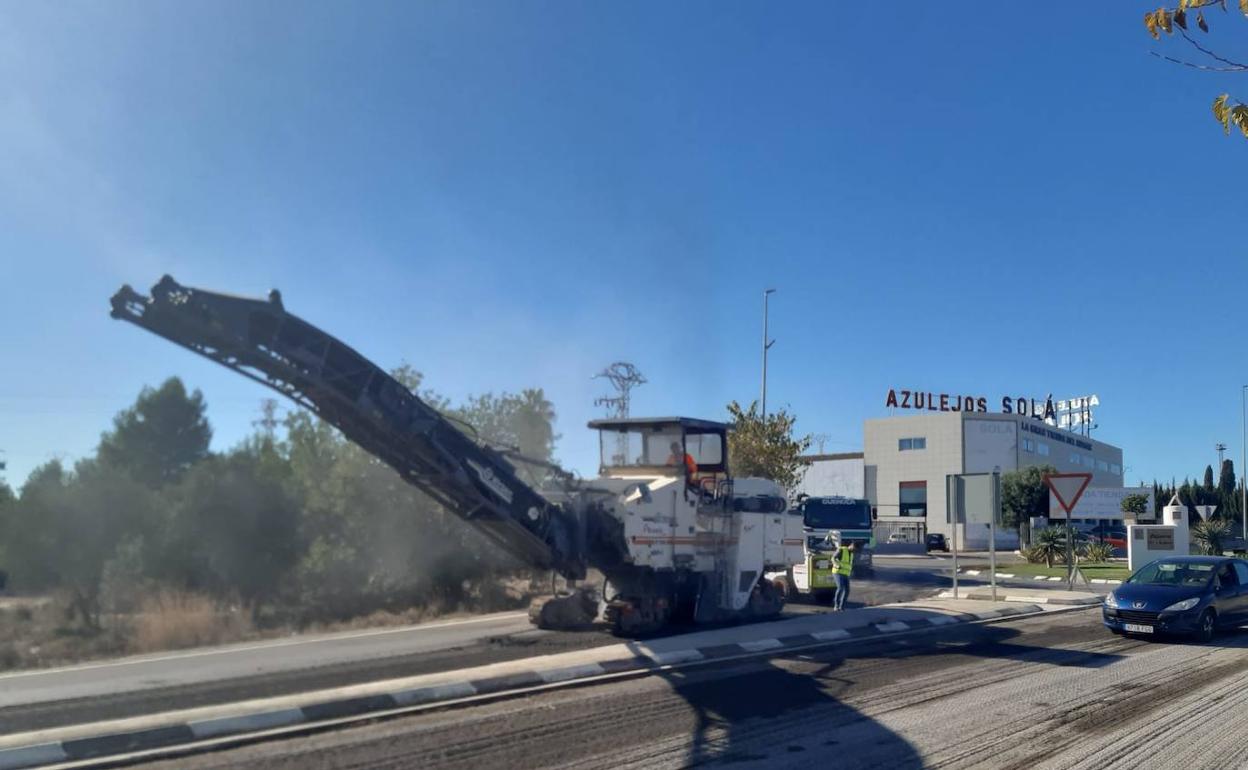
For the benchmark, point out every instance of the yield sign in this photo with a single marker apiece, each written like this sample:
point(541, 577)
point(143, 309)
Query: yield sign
point(1067, 487)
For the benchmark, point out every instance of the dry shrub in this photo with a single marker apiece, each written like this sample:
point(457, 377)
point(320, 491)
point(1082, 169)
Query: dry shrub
point(169, 620)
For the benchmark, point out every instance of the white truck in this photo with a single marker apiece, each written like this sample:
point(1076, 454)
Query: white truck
point(828, 523)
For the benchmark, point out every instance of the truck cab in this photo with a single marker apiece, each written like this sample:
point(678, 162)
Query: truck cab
point(827, 524)
point(635, 447)
point(830, 522)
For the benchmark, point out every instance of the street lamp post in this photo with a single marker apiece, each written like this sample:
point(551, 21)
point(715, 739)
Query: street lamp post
point(766, 346)
point(1243, 460)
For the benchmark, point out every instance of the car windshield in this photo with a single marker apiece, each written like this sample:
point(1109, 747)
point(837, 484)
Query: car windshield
point(836, 513)
point(1173, 573)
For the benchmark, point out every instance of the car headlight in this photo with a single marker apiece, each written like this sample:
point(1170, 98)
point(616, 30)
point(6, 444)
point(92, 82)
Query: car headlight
point(1111, 600)
point(1184, 605)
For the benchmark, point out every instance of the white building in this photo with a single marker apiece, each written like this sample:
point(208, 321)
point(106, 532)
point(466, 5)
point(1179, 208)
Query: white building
point(833, 475)
point(907, 458)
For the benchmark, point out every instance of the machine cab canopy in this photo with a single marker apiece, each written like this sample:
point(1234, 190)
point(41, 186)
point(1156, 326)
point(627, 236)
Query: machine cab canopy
point(647, 442)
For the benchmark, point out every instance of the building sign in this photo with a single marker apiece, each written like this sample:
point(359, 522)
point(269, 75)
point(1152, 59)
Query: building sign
point(989, 445)
point(1106, 503)
point(1072, 412)
point(1161, 539)
point(1065, 413)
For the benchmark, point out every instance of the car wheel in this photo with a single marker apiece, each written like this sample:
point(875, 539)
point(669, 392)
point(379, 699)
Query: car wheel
point(1204, 626)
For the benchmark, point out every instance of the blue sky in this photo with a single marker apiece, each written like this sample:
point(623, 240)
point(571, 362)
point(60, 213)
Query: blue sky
point(996, 200)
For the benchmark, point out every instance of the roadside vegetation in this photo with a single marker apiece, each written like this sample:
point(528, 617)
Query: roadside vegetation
point(1111, 571)
point(154, 542)
point(1047, 556)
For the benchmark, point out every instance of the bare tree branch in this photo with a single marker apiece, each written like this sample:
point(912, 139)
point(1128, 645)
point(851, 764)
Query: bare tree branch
point(1238, 66)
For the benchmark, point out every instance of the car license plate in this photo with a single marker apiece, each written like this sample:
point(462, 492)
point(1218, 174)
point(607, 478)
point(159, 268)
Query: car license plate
point(1135, 628)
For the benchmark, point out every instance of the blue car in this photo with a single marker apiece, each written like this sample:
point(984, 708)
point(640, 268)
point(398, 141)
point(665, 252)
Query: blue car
point(1190, 595)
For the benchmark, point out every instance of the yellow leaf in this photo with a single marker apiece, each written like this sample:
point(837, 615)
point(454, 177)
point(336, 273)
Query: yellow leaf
point(1150, 21)
point(1221, 113)
point(1182, 5)
point(1163, 20)
point(1239, 116)
point(1243, 7)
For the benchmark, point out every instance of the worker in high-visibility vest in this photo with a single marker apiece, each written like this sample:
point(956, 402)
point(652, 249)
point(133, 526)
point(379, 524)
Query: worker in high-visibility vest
point(843, 563)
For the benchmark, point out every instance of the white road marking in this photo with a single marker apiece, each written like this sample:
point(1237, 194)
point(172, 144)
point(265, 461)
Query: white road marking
point(675, 656)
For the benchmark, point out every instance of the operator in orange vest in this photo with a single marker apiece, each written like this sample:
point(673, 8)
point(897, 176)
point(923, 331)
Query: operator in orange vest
point(691, 468)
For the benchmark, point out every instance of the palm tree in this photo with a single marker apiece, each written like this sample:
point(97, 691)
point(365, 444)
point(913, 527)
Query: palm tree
point(1209, 535)
point(1051, 543)
point(1096, 553)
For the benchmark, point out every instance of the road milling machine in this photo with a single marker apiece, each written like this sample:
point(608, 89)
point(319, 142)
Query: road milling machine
point(674, 535)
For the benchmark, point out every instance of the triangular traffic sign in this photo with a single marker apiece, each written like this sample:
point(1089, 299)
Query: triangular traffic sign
point(1067, 488)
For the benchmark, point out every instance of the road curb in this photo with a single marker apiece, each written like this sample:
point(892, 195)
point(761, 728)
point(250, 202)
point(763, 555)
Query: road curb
point(1090, 601)
point(111, 742)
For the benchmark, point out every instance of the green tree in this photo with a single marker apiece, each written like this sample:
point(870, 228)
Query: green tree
point(234, 527)
point(1226, 479)
point(373, 540)
point(765, 446)
point(69, 526)
point(8, 504)
point(1024, 494)
point(160, 437)
point(1135, 505)
point(1179, 18)
point(1207, 484)
point(524, 422)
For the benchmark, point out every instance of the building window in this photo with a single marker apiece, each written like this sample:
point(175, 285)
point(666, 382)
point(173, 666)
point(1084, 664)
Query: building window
point(1029, 445)
point(1075, 458)
point(912, 498)
point(1101, 465)
point(1115, 469)
point(904, 444)
point(1042, 448)
point(1089, 461)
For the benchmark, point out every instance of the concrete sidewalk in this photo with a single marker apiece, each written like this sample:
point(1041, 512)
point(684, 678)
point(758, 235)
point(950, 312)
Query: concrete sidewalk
point(757, 639)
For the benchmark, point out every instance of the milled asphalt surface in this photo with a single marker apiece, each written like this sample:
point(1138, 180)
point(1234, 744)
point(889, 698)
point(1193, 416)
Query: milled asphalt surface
point(1052, 691)
point(129, 687)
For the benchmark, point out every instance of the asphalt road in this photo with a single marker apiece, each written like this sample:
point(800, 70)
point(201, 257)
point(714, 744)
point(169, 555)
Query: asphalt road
point(150, 684)
point(133, 686)
point(1053, 691)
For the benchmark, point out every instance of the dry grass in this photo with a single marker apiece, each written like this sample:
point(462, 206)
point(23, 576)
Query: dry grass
point(171, 620)
point(35, 632)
